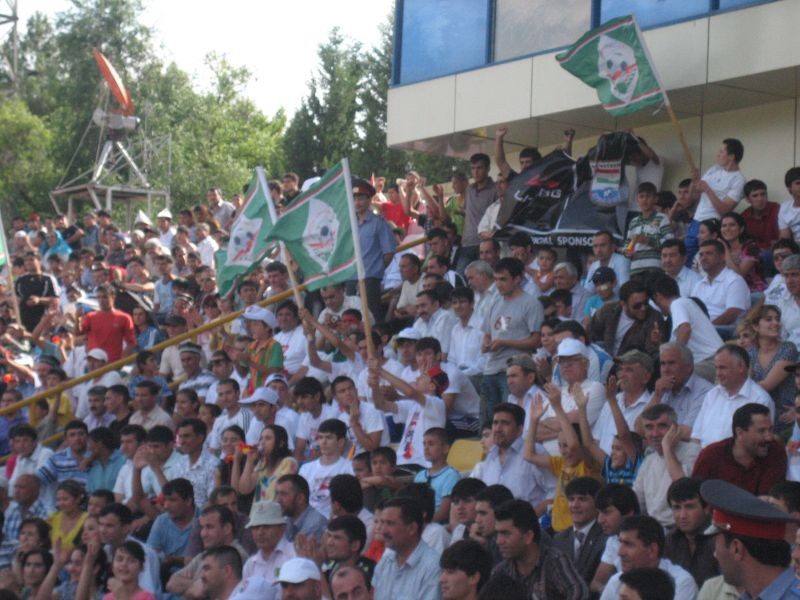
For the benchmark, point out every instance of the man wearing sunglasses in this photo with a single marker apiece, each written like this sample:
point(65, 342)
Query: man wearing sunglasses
point(628, 324)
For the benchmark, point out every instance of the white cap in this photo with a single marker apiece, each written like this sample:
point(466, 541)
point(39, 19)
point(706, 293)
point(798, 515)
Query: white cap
point(141, 217)
point(165, 214)
point(409, 333)
point(256, 313)
point(254, 588)
point(262, 394)
point(277, 377)
point(98, 353)
point(298, 570)
point(572, 347)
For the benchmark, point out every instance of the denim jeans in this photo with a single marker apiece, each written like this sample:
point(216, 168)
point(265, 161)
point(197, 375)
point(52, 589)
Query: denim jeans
point(494, 390)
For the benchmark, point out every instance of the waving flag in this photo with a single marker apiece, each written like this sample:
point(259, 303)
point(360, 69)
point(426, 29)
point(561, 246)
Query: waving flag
point(614, 60)
point(318, 230)
point(248, 236)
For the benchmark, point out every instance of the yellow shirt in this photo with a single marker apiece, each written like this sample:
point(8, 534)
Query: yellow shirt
point(68, 538)
point(63, 413)
point(561, 518)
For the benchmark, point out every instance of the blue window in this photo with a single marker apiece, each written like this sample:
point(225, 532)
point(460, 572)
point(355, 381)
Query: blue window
point(440, 37)
point(650, 13)
point(528, 26)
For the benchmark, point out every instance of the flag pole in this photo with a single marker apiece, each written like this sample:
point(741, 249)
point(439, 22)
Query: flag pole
point(687, 153)
point(273, 215)
point(362, 286)
point(11, 285)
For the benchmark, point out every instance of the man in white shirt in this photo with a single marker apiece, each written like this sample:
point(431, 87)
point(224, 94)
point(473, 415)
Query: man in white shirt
point(31, 455)
point(790, 306)
point(789, 212)
point(673, 261)
point(690, 325)
point(724, 292)
point(605, 254)
point(504, 464)
point(635, 371)
point(268, 526)
point(165, 229)
point(405, 308)
point(433, 320)
point(734, 389)
point(719, 191)
point(232, 413)
point(480, 279)
point(641, 545)
point(669, 459)
point(467, 336)
point(206, 245)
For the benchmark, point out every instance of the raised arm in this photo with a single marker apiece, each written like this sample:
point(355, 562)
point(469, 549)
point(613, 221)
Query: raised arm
point(589, 444)
point(374, 382)
point(570, 437)
point(623, 431)
point(500, 152)
point(540, 460)
point(405, 388)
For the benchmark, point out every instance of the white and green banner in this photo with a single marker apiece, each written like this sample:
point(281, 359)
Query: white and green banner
point(248, 242)
point(614, 60)
point(318, 233)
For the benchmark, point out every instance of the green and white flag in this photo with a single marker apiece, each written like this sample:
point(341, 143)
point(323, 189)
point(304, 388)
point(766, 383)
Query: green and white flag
point(317, 230)
point(248, 235)
point(614, 60)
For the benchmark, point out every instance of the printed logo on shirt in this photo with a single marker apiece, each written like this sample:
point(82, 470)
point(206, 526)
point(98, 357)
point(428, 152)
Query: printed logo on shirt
point(502, 323)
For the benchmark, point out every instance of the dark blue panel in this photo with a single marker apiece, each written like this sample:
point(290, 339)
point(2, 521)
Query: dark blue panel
point(440, 37)
point(650, 13)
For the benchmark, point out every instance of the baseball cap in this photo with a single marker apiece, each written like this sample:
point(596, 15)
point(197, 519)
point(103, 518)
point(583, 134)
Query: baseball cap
point(409, 333)
point(190, 347)
point(262, 394)
point(604, 275)
point(277, 377)
point(257, 313)
point(266, 513)
point(98, 353)
point(298, 570)
point(572, 347)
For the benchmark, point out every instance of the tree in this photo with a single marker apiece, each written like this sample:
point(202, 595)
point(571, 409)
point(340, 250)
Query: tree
point(26, 165)
point(324, 129)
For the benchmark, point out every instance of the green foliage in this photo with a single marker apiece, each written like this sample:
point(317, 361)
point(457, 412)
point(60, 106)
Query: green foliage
point(324, 128)
point(26, 167)
point(215, 136)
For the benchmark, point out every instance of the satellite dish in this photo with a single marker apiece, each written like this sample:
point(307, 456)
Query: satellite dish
point(114, 82)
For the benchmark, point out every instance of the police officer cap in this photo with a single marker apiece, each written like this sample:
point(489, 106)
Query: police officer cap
point(739, 512)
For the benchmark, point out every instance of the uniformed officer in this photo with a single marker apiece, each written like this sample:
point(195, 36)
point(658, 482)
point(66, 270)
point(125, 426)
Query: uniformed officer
point(749, 545)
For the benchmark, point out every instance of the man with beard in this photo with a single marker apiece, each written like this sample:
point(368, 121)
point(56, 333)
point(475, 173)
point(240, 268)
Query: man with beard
point(752, 459)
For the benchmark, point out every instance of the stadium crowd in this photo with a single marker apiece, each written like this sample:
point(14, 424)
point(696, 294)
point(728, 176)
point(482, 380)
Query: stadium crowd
point(529, 425)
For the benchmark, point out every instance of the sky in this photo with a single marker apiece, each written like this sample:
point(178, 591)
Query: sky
point(276, 40)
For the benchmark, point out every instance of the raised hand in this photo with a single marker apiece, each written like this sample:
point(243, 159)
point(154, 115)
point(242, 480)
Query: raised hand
point(553, 394)
point(611, 389)
point(579, 396)
point(671, 438)
point(537, 408)
point(501, 132)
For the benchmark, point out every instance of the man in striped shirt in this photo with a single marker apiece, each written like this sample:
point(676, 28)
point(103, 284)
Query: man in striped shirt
point(66, 464)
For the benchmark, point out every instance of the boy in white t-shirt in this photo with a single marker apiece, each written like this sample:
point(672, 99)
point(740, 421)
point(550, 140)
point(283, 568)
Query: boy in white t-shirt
point(789, 212)
point(423, 409)
point(310, 398)
point(332, 436)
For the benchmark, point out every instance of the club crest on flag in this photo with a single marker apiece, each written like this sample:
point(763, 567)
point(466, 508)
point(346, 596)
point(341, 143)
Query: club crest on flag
point(617, 63)
point(243, 241)
point(321, 232)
